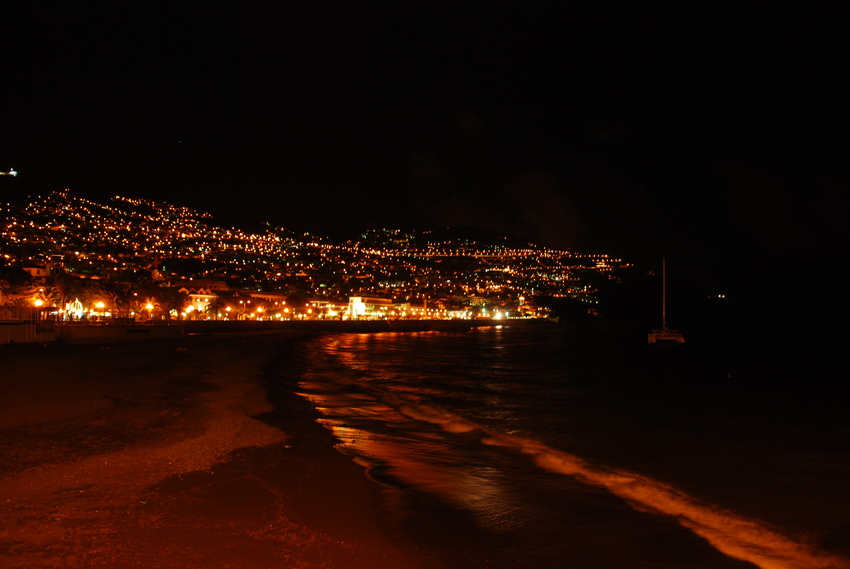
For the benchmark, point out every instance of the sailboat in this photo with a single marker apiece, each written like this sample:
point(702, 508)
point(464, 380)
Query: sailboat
point(665, 335)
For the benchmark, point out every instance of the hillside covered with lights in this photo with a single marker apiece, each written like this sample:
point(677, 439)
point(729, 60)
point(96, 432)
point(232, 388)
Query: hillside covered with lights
point(123, 256)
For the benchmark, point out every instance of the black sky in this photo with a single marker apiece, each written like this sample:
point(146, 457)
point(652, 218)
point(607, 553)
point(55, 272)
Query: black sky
point(707, 133)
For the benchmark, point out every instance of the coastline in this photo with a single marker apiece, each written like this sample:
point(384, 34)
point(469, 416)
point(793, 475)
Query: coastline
point(21, 332)
point(167, 453)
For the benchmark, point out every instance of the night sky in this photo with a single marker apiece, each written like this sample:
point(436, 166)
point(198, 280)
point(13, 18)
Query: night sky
point(714, 135)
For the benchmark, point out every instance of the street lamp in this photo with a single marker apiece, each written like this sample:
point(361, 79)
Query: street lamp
point(37, 303)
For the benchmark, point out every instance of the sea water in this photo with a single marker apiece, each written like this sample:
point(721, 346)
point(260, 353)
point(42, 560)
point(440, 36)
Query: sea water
point(580, 446)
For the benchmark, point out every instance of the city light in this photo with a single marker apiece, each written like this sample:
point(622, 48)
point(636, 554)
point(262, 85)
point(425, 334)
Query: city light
point(185, 266)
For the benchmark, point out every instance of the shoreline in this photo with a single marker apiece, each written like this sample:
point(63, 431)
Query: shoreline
point(167, 453)
point(20, 332)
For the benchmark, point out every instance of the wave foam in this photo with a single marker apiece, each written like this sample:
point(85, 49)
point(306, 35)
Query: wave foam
point(731, 534)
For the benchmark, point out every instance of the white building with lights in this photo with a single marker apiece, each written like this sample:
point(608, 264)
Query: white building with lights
point(368, 307)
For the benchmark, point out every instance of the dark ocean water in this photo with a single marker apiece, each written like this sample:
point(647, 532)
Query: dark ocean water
point(581, 446)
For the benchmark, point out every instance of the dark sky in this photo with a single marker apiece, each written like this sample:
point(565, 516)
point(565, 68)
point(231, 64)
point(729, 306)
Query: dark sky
point(707, 133)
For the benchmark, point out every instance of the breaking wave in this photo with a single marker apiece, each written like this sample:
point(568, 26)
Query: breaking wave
point(732, 534)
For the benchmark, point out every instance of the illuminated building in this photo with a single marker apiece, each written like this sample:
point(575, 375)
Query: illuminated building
point(368, 307)
point(199, 299)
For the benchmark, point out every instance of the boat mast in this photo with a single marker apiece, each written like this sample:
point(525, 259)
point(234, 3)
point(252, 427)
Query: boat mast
point(663, 292)
point(665, 334)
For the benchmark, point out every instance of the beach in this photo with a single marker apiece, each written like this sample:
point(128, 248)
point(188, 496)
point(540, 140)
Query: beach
point(494, 447)
point(168, 453)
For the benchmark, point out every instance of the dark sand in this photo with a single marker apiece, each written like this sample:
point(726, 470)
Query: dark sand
point(168, 454)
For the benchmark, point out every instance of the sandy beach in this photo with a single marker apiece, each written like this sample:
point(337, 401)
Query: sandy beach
point(168, 454)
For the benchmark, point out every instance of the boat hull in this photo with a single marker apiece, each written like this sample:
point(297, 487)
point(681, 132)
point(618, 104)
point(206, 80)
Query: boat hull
point(666, 336)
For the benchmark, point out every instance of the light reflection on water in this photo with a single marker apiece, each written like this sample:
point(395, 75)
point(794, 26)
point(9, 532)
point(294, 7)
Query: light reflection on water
point(486, 422)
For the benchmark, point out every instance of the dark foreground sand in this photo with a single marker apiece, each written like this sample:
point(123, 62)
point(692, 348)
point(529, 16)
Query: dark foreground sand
point(168, 454)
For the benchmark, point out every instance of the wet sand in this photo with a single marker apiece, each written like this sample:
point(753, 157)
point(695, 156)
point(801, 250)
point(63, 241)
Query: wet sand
point(168, 454)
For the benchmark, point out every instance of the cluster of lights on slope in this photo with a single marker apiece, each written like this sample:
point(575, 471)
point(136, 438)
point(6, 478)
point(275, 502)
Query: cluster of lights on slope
point(130, 233)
